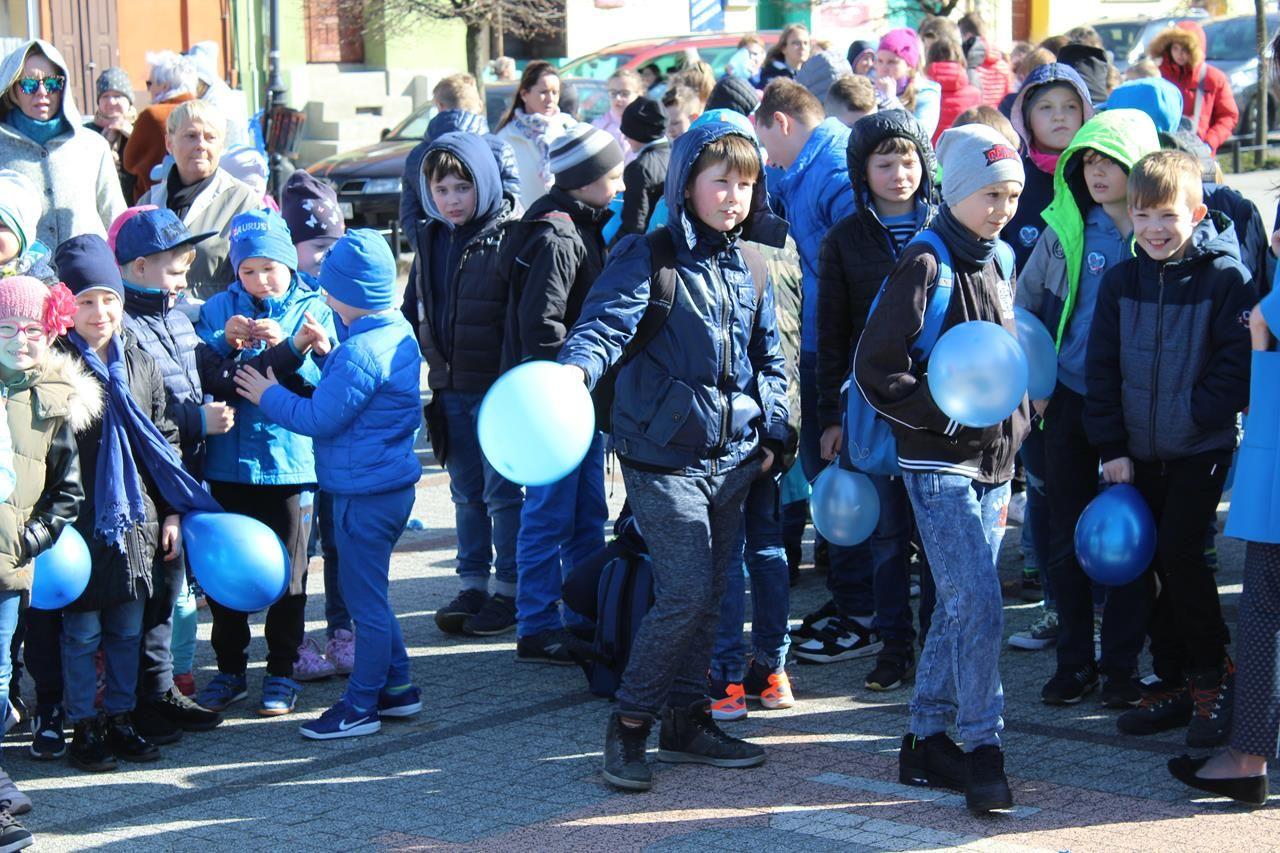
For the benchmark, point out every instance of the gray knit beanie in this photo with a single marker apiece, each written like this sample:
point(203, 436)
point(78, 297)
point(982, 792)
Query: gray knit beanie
point(974, 156)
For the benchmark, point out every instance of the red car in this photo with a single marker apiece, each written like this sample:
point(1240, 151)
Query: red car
point(714, 49)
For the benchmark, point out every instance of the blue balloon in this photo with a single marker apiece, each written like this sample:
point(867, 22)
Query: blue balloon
point(61, 573)
point(536, 423)
point(977, 374)
point(845, 506)
point(1042, 354)
point(1116, 536)
point(239, 561)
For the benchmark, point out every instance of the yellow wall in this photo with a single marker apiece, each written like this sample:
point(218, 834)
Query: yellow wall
point(152, 25)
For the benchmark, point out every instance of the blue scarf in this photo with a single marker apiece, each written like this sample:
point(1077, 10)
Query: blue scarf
point(39, 132)
point(126, 431)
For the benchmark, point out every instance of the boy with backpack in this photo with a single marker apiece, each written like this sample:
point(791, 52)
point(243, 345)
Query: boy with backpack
point(696, 417)
point(891, 171)
point(552, 257)
point(1087, 232)
point(957, 477)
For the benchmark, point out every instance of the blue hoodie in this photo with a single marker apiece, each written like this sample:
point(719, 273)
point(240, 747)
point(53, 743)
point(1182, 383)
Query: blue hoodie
point(711, 385)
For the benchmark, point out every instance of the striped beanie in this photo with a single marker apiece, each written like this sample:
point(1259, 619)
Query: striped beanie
point(582, 155)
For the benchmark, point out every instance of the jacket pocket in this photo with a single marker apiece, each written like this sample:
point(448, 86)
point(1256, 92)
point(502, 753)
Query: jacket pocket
point(671, 414)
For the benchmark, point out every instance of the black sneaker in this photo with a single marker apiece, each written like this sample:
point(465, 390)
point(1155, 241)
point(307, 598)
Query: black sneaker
point(557, 647)
point(1212, 695)
point(690, 736)
point(624, 762)
point(894, 667)
point(153, 726)
point(1163, 708)
point(931, 762)
point(986, 789)
point(842, 639)
point(1067, 687)
point(125, 741)
point(1032, 588)
point(89, 749)
point(13, 835)
point(813, 623)
point(451, 617)
point(497, 616)
point(1120, 690)
point(183, 712)
point(48, 733)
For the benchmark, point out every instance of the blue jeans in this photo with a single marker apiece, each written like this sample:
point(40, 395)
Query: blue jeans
point(367, 528)
point(850, 579)
point(760, 541)
point(560, 525)
point(960, 523)
point(889, 545)
point(186, 618)
point(118, 631)
point(486, 505)
point(336, 617)
point(1035, 519)
point(9, 610)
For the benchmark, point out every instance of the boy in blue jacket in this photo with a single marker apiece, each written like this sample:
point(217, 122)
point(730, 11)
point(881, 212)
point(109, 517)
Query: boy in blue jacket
point(258, 468)
point(364, 417)
point(697, 416)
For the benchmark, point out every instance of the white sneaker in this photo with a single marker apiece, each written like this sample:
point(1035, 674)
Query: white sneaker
point(1040, 634)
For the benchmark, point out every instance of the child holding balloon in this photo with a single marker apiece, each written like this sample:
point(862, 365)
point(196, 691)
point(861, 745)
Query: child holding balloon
point(1167, 374)
point(956, 476)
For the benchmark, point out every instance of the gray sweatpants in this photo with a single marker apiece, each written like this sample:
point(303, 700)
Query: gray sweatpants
point(691, 526)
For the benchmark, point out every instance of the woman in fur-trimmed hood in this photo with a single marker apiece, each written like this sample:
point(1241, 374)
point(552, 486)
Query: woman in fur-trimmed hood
point(1206, 92)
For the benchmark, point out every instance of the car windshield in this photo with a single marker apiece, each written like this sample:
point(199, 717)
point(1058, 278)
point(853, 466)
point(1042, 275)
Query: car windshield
point(1119, 36)
point(597, 66)
point(1234, 39)
point(415, 126)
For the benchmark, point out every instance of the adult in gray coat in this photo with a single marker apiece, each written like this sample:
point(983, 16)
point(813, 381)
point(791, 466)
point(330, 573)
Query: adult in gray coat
point(41, 136)
point(205, 197)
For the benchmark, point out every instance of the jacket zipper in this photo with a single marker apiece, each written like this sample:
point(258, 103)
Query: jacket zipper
point(1155, 370)
point(726, 353)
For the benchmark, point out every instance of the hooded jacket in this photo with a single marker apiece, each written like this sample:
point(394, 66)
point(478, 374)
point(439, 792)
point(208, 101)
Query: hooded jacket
point(711, 385)
point(80, 192)
point(1216, 117)
point(858, 254)
point(1037, 193)
point(815, 193)
point(644, 178)
point(458, 301)
point(413, 213)
point(958, 94)
point(1051, 278)
point(988, 70)
point(1169, 350)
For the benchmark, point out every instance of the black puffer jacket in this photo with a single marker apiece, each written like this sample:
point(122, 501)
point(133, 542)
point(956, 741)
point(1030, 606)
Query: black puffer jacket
point(645, 178)
point(552, 258)
point(858, 254)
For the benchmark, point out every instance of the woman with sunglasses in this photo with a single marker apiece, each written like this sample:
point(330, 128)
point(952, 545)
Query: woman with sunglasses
point(42, 136)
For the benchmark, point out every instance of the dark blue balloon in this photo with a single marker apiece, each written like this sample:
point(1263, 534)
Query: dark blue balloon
point(1042, 354)
point(844, 505)
point(239, 561)
point(61, 573)
point(1116, 536)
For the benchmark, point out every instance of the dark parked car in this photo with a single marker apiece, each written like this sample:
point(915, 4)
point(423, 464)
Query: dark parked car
point(1232, 47)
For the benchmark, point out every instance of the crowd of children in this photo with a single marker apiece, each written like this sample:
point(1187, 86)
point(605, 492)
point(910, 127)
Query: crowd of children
point(789, 241)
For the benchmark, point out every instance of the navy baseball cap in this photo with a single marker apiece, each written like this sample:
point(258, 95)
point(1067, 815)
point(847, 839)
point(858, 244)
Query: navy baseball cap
point(151, 232)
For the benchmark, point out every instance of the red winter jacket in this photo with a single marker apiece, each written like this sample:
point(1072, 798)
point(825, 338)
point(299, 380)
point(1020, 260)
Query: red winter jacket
point(958, 94)
point(989, 71)
point(1218, 111)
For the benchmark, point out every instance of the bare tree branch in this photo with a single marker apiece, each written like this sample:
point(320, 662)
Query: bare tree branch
point(520, 18)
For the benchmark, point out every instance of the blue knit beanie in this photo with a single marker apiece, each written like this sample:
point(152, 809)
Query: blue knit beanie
point(361, 271)
point(261, 234)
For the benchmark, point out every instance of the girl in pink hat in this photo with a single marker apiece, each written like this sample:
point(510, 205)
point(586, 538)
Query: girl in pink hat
point(898, 74)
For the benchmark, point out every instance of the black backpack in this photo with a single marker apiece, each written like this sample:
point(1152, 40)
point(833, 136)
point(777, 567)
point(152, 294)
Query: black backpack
point(664, 282)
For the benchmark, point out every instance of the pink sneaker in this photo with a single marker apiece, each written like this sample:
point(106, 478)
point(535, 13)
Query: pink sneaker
point(341, 651)
point(311, 665)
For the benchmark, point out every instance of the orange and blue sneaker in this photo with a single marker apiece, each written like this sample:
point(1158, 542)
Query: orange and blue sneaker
point(728, 701)
point(771, 689)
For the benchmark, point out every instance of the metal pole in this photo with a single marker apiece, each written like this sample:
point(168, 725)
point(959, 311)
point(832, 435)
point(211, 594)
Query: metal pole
point(275, 89)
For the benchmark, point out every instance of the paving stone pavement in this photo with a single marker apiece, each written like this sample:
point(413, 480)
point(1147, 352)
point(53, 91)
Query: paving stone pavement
point(505, 757)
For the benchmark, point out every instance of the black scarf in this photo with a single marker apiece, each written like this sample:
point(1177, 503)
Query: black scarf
point(965, 246)
point(182, 196)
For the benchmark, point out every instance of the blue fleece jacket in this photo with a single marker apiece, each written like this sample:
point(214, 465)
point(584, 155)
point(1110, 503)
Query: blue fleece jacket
point(1104, 247)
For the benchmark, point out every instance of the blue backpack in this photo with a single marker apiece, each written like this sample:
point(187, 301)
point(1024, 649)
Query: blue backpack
point(869, 445)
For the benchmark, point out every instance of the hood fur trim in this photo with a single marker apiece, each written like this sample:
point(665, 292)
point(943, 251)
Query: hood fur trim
point(67, 389)
point(1159, 47)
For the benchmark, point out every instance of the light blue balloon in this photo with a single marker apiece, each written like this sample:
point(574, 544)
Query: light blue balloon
point(239, 561)
point(1116, 536)
point(61, 573)
point(977, 374)
point(1042, 355)
point(536, 423)
point(844, 505)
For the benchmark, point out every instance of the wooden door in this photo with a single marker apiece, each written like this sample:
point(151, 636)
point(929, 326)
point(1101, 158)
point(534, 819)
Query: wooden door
point(335, 31)
point(85, 32)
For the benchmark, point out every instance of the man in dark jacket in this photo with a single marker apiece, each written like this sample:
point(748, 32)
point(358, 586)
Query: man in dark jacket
point(457, 302)
point(552, 258)
point(645, 127)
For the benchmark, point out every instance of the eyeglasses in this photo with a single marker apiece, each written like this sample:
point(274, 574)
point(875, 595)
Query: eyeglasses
point(32, 331)
point(52, 84)
point(619, 93)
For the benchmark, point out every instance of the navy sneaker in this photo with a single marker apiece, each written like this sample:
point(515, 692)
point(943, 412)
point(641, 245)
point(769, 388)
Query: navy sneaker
point(342, 720)
point(279, 695)
point(222, 690)
point(406, 703)
point(48, 733)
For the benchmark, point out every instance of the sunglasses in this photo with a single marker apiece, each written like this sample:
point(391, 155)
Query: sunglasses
point(52, 84)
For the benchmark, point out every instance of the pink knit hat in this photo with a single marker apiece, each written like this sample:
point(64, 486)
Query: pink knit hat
point(905, 43)
point(24, 296)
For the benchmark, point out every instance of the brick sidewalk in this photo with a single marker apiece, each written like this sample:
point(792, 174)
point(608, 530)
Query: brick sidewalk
point(505, 757)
